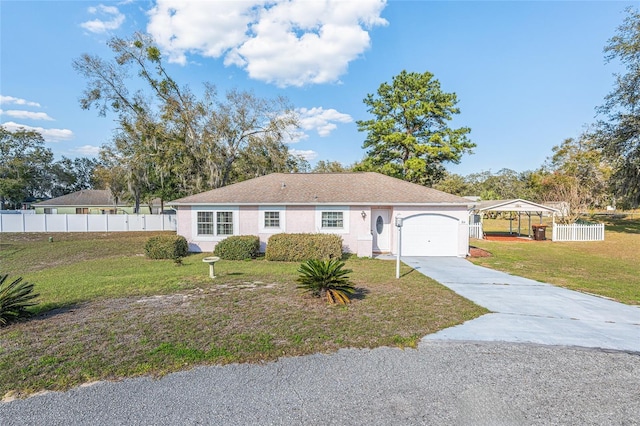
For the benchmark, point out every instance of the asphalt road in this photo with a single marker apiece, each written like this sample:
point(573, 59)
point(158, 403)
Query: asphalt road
point(441, 382)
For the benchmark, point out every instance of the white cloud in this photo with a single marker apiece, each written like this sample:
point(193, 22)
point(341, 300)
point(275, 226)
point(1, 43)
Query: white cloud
point(316, 119)
point(322, 120)
point(17, 101)
point(112, 19)
point(29, 115)
point(289, 43)
point(306, 154)
point(49, 135)
point(88, 150)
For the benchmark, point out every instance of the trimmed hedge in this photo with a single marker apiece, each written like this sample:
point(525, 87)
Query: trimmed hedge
point(238, 247)
point(301, 247)
point(166, 247)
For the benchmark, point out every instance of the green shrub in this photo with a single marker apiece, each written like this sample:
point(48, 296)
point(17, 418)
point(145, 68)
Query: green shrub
point(238, 247)
point(301, 247)
point(15, 298)
point(326, 278)
point(166, 247)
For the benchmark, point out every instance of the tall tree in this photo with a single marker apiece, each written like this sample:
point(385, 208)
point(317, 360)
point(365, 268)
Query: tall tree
point(577, 174)
point(620, 132)
point(409, 136)
point(25, 163)
point(503, 185)
point(173, 140)
point(329, 167)
point(453, 184)
point(69, 175)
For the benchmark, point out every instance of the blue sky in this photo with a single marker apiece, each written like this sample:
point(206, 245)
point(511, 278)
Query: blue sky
point(527, 74)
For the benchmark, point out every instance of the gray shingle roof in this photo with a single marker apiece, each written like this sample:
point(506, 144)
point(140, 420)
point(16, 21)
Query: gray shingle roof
point(85, 197)
point(323, 188)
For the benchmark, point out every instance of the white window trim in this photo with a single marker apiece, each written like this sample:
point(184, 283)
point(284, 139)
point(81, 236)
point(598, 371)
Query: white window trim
point(345, 219)
point(215, 209)
point(261, 211)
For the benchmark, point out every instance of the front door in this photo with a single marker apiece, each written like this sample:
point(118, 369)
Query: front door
point(381, 230)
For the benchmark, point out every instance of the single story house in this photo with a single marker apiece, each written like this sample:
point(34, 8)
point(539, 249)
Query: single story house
point(90, 201)
point(360, 207)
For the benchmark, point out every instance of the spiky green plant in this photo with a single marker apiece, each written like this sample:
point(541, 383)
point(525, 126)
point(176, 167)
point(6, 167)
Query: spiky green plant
point(15, 298)
point(326, 278)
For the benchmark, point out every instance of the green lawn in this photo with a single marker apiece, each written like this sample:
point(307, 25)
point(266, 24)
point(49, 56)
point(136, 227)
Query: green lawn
point(107, 312)
point(608, 268)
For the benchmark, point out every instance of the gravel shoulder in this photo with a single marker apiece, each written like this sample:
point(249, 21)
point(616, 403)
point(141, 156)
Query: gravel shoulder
point(441, 382)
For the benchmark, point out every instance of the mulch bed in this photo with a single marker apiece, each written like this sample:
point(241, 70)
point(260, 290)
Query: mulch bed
point(478, 252)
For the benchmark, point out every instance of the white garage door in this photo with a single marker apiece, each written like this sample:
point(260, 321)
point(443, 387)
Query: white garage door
point(430, 235)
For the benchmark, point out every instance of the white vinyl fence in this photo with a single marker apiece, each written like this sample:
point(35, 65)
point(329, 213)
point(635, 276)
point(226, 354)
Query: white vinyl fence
point(578, 232)
point(475, 230)
point(86, 222)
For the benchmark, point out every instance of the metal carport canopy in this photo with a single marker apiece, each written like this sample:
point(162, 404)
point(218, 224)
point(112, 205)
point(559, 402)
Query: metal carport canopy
point(517, 205)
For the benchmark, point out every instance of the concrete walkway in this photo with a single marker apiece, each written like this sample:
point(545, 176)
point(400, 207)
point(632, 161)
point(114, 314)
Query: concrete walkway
point(525, 310)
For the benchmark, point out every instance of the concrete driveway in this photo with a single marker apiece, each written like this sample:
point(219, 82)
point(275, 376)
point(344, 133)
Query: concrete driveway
point(525, 310)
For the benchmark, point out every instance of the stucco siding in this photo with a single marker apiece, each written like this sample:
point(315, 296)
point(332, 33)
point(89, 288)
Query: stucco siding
point(301, 219)
point(249, 220)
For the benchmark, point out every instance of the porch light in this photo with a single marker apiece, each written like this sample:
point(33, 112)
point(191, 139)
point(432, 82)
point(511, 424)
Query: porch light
point(363, 214)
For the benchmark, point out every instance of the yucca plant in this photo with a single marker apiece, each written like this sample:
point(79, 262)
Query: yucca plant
point(15, 298)
point(326, 278)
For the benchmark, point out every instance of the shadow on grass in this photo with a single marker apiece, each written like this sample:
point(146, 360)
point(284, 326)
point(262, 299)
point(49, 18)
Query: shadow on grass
point(360, 293)
point(407, 273)
point(49, 310)
point(623, 226)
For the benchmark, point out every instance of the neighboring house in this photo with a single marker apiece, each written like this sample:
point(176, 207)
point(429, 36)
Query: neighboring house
point(89, 201)
point(360, 207)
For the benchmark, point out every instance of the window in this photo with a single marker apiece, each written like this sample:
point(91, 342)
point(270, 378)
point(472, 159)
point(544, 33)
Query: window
point(379, 225)
point(205, 223)
point(272, 219)
point(332, 220)
point(224, 223)
point(211, 224)
point(82, 210)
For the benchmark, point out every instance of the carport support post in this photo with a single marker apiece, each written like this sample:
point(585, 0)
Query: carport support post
point(399, 226)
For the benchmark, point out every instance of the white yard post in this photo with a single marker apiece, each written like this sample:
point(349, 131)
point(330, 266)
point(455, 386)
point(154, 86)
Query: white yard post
point(399, 226)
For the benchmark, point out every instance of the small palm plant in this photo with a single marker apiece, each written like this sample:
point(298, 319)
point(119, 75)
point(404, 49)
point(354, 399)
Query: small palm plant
point(326, 279)
point(15, 298)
